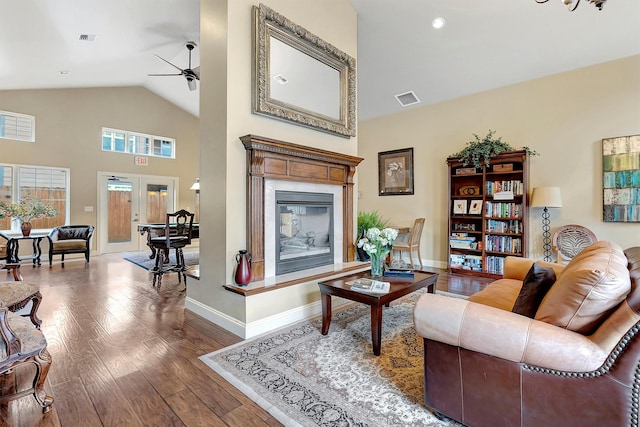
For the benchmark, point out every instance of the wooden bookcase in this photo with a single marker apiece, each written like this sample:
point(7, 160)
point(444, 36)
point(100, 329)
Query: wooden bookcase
point(483, 227)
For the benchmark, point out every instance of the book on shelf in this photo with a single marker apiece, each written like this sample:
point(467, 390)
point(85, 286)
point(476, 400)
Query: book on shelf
point(370, 286)
point(503, 195)
point(462, 241)
point(466, 262)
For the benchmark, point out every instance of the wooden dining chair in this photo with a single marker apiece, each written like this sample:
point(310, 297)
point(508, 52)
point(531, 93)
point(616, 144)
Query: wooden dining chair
point(413, 243)
point(177, 234)
point(569, 240)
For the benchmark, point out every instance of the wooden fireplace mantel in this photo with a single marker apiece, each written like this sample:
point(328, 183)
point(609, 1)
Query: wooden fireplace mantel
point(273, 159)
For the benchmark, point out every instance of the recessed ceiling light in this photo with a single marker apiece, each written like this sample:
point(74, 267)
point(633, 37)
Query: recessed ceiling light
point(438, 23)
point(64, 72)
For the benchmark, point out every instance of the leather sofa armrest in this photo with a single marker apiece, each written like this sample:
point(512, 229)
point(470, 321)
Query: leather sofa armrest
point(517, 267)
point(504, 334)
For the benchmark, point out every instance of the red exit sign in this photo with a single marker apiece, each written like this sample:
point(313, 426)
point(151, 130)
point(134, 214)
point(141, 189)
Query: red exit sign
point(141, 161)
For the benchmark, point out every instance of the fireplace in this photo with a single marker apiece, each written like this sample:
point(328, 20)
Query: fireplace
point(274, 165)
point(304, 230)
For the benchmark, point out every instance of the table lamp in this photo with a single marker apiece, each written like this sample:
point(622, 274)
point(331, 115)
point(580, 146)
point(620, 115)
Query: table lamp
point(546, 197)
point(196, 187)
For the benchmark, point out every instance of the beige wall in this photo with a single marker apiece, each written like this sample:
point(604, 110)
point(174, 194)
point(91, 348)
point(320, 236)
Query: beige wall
point(223, 179)
point(68, 134)
point(563, 117)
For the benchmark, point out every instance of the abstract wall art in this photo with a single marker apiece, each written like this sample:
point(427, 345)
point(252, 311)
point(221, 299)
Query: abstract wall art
point(621, 179)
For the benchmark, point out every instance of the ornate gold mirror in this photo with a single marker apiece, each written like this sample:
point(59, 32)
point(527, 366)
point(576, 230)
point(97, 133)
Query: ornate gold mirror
point(300, 78)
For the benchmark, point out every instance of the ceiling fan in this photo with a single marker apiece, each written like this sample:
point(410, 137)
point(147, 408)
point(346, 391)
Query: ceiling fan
point(191, 74)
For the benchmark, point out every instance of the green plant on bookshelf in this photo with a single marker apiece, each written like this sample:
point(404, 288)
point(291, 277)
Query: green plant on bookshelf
point(483, 149)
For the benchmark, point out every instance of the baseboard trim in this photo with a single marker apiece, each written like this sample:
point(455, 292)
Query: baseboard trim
point(214, 316)
point(262, 326)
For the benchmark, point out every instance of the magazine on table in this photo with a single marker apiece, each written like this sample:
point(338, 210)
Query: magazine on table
point(369, 286)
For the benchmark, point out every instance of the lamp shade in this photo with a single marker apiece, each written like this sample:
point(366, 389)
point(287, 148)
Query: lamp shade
point(196, 185)
point(546, 197)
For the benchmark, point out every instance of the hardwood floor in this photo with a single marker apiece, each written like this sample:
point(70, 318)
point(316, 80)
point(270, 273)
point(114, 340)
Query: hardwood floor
point(126, 355)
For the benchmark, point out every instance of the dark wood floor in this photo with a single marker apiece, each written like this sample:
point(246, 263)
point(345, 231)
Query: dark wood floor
point(126, 355)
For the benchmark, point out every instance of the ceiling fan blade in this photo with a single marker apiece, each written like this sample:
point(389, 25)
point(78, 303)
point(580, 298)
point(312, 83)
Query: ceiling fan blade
point(196, 71)
point(174, 66)
point(191, 84)
point(164, 74)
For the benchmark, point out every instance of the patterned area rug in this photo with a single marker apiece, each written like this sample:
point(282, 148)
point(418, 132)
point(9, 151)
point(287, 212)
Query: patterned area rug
point(305, 379)
point(141, 258)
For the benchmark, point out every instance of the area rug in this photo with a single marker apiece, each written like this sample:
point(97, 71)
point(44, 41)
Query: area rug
point(141, 258)
point(303, 378)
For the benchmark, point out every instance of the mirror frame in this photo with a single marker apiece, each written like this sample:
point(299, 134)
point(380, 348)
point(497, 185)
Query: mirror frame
point(268, 23)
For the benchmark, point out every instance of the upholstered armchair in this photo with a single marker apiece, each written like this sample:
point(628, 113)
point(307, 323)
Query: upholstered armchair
point(17, 295)
point(20, 345)
point(70, 239)
point(569, 240)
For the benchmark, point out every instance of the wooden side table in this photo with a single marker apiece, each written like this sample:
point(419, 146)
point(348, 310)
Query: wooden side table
point(13, 246)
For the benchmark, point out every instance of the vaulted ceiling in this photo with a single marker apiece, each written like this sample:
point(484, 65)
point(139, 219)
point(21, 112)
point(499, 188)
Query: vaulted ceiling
point(484, 45)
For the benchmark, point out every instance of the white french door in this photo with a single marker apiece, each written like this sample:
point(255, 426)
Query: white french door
point(128, 200)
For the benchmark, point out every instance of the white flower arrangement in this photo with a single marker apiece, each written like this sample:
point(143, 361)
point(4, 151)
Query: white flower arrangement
point(378, 242)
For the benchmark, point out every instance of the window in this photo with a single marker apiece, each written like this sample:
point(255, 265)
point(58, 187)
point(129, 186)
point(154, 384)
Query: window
point(20, 127)
point(120, 141)
point(51, 185)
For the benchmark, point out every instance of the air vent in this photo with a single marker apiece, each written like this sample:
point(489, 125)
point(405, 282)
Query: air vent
point(407, 98)
point(280, 79)
point(87, 37)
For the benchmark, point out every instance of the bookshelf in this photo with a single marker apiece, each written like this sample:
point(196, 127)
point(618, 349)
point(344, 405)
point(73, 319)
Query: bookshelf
point(487, 214)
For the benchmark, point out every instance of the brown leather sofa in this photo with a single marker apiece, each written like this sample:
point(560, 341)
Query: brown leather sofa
point(70, 239)
point(576, 363)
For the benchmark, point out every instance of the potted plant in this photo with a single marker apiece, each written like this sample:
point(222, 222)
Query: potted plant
point(26, 210)
point(367, 220)
point(483, 149)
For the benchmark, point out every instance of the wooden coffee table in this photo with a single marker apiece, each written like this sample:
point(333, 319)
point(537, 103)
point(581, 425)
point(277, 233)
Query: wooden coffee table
point(400, 286)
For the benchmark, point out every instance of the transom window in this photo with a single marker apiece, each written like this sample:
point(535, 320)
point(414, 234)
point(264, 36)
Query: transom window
point(50, 185)
point(20, 127)
point(120, 141)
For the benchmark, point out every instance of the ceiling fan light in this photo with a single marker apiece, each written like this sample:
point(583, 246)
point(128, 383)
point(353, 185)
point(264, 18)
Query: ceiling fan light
point(191, 83)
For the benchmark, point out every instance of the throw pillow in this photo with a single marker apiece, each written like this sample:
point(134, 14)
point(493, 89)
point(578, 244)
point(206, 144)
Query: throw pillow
point(534, 287)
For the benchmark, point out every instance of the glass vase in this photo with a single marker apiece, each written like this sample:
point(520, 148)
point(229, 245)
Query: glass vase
point(377, 264)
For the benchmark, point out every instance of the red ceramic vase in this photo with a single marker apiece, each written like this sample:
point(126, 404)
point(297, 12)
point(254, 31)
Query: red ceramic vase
point(243, 270)
point(26, 228)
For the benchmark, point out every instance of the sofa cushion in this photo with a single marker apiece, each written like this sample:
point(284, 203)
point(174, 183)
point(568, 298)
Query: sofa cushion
point(590, 287)
point(501, 293)
point(535, 286)
point(70, 245)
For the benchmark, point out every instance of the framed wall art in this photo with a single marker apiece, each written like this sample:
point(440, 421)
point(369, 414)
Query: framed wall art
point(621, 179)
point(395, 172)
point(460, 207)
point(476, 207)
